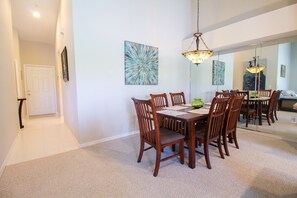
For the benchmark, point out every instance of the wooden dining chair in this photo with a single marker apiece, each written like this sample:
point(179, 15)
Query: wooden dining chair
point(246, 109)
point(152, 134)
point(276, 103)
point(230, 124)
point(177, 98)
point(160, 100)
point(213, 130)
point(264, 93)
point(268, 111)
point(222, 94)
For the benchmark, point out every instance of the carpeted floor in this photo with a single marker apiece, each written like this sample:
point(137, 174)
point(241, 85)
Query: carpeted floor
point(283, 127)
point(263, 167)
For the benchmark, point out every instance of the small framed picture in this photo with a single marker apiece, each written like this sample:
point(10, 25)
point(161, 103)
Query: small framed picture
point(64, 61)
point(283, 71)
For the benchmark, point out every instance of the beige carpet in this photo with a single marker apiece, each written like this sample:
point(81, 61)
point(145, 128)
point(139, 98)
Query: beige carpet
point(262, 167)
point(283, 127)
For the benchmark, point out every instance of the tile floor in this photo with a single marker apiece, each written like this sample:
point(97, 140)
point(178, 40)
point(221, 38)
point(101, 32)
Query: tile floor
point(41, 137)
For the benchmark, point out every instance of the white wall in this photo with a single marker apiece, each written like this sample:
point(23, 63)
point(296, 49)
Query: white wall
point(201, 78)
point(37, 53)
point(67, 91)
point(18, 65)
point(8, 103)
point(284, 58)
point(293, 79)
point(104, 101)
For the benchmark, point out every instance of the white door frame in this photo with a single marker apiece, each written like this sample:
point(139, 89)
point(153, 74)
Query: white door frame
point(55, 87)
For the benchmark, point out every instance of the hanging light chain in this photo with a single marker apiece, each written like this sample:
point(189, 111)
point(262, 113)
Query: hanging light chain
point(198, 16)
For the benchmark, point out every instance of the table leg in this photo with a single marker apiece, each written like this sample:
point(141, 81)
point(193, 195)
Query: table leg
point(260, 112)
point(192, 161)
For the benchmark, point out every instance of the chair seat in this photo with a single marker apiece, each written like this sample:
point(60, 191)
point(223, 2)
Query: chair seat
point(168, 136)
point(251, 111)
point(200, 132)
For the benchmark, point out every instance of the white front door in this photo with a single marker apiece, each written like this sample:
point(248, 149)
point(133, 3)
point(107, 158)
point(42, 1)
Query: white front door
point(40, 89)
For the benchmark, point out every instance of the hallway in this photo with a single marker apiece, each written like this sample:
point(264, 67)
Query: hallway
point(42, 136)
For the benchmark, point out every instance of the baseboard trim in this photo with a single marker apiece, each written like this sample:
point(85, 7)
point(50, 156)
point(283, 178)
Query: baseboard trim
point(107, 139)
point(11, 149)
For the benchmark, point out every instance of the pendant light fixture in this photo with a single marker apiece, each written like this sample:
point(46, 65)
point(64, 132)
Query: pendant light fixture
point(254, 66)
point(198, 56)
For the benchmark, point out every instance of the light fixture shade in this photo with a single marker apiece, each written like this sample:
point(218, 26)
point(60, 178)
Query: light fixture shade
point(255, 69)
point(198, 56)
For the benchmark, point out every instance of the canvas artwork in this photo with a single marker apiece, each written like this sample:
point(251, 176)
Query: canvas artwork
point(218, 72)
point(141, 64)
point(251, 81)
point(283, 71)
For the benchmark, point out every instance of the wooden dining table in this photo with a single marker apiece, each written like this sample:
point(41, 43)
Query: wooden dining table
point(259, 103)
point(183, 115)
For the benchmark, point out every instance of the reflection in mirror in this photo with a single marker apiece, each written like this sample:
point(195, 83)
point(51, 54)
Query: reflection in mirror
point(279, 73)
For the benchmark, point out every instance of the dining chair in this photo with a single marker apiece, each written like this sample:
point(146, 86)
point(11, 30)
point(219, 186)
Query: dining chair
point(213, 129)
point(276, 103)
point(246, 110)
point(160, 100)
point(264, 93)
point(177, 98)
point(150, 133)
point(230, 124)
point(268, 111)
point(222, 94)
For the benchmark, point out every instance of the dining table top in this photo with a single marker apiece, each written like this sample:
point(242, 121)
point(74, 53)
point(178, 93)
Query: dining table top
point(264, 98)
point(184, 112)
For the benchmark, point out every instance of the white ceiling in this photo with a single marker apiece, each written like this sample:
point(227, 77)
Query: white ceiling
point(35, 29)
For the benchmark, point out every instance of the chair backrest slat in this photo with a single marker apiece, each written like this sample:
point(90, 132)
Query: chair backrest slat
point(177, 98)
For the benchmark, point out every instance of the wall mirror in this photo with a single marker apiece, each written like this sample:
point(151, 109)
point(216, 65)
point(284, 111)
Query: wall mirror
point(279, 58)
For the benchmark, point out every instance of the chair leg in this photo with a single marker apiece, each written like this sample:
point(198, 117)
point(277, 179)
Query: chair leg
point(206, 153)
point(235, 140)
point(275, 115)
point(225, 144)
point(220, 147)
point(181, 152)
point(141, 150)
point(230, 138)
point(247, 121)
point(272, 118)
point(268, 120)
point(158, 160)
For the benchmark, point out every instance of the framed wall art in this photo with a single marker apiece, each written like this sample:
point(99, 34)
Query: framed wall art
point(64, 61)
point(283, 71)
point(141, 64)
point(218, 72)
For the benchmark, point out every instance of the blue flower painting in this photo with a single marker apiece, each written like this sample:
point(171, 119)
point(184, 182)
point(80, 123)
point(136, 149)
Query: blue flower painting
point(141, 64)
point(218, 72)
